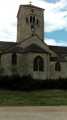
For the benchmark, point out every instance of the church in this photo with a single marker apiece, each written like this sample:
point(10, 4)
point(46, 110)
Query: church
point(30, 55)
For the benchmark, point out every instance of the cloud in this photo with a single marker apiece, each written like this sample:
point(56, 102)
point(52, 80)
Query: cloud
point(55, 16)
point(54, 42)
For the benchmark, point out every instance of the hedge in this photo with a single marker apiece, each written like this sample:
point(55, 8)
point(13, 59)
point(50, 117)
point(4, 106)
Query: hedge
point(16, 82)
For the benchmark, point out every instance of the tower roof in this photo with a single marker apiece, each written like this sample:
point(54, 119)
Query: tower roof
point(29, 6)
point(32, 6)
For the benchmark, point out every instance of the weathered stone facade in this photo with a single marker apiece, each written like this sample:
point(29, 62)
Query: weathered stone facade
point(30, 16)
point(30, 54)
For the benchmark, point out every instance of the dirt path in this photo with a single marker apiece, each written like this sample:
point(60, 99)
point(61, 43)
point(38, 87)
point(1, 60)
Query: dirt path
point(34, 113)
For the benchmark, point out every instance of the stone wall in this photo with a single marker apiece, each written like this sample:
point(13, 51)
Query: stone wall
point(57, 74)
point(38, 74)
point(25, 66)
point(24, 29)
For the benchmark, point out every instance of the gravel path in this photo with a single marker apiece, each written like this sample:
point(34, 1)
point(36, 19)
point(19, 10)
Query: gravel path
point(34, 113)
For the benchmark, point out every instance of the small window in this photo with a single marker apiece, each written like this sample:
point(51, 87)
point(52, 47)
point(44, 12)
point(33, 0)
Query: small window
point(30, 18)
point(57, 66)
point(26, 19)
point(32, 28)
point(33, 19)
point(37, 21)
point(31, 10)
point(38, 64)
point(14, 59)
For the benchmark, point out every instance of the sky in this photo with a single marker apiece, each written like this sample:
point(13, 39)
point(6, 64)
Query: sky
point(55, 19)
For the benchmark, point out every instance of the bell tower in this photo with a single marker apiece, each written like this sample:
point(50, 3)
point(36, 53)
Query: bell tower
point(30, 21)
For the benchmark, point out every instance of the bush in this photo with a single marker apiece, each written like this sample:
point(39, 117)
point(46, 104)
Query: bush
point(16, 82)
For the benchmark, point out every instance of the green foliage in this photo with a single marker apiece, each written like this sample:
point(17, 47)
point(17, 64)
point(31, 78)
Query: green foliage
point(16, 82)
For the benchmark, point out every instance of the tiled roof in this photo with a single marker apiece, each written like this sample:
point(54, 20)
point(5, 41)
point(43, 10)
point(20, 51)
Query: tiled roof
point(6, 45)
point(12, 47)
point(57, 59)
point(15, 50)
point(34, 48)
point(59, 49)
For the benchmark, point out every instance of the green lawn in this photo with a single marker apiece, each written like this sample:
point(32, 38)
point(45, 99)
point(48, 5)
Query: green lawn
point(33, 98)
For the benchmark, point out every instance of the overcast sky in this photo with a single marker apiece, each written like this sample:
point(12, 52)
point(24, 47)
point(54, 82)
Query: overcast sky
point(55, 18)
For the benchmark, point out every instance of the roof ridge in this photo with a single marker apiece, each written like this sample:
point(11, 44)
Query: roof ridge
point(30, 5)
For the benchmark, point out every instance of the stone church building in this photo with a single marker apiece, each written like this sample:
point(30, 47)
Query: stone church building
point(30, 54)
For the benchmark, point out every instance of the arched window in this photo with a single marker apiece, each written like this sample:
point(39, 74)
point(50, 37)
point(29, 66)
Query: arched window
point(38, 64)
point(32, 28)
point(57, 66)
point(14, 59)
point(30, 18)
point(33, 19)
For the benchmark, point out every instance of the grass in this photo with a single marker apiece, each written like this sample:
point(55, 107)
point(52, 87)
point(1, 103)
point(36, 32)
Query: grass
point(33, 98)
